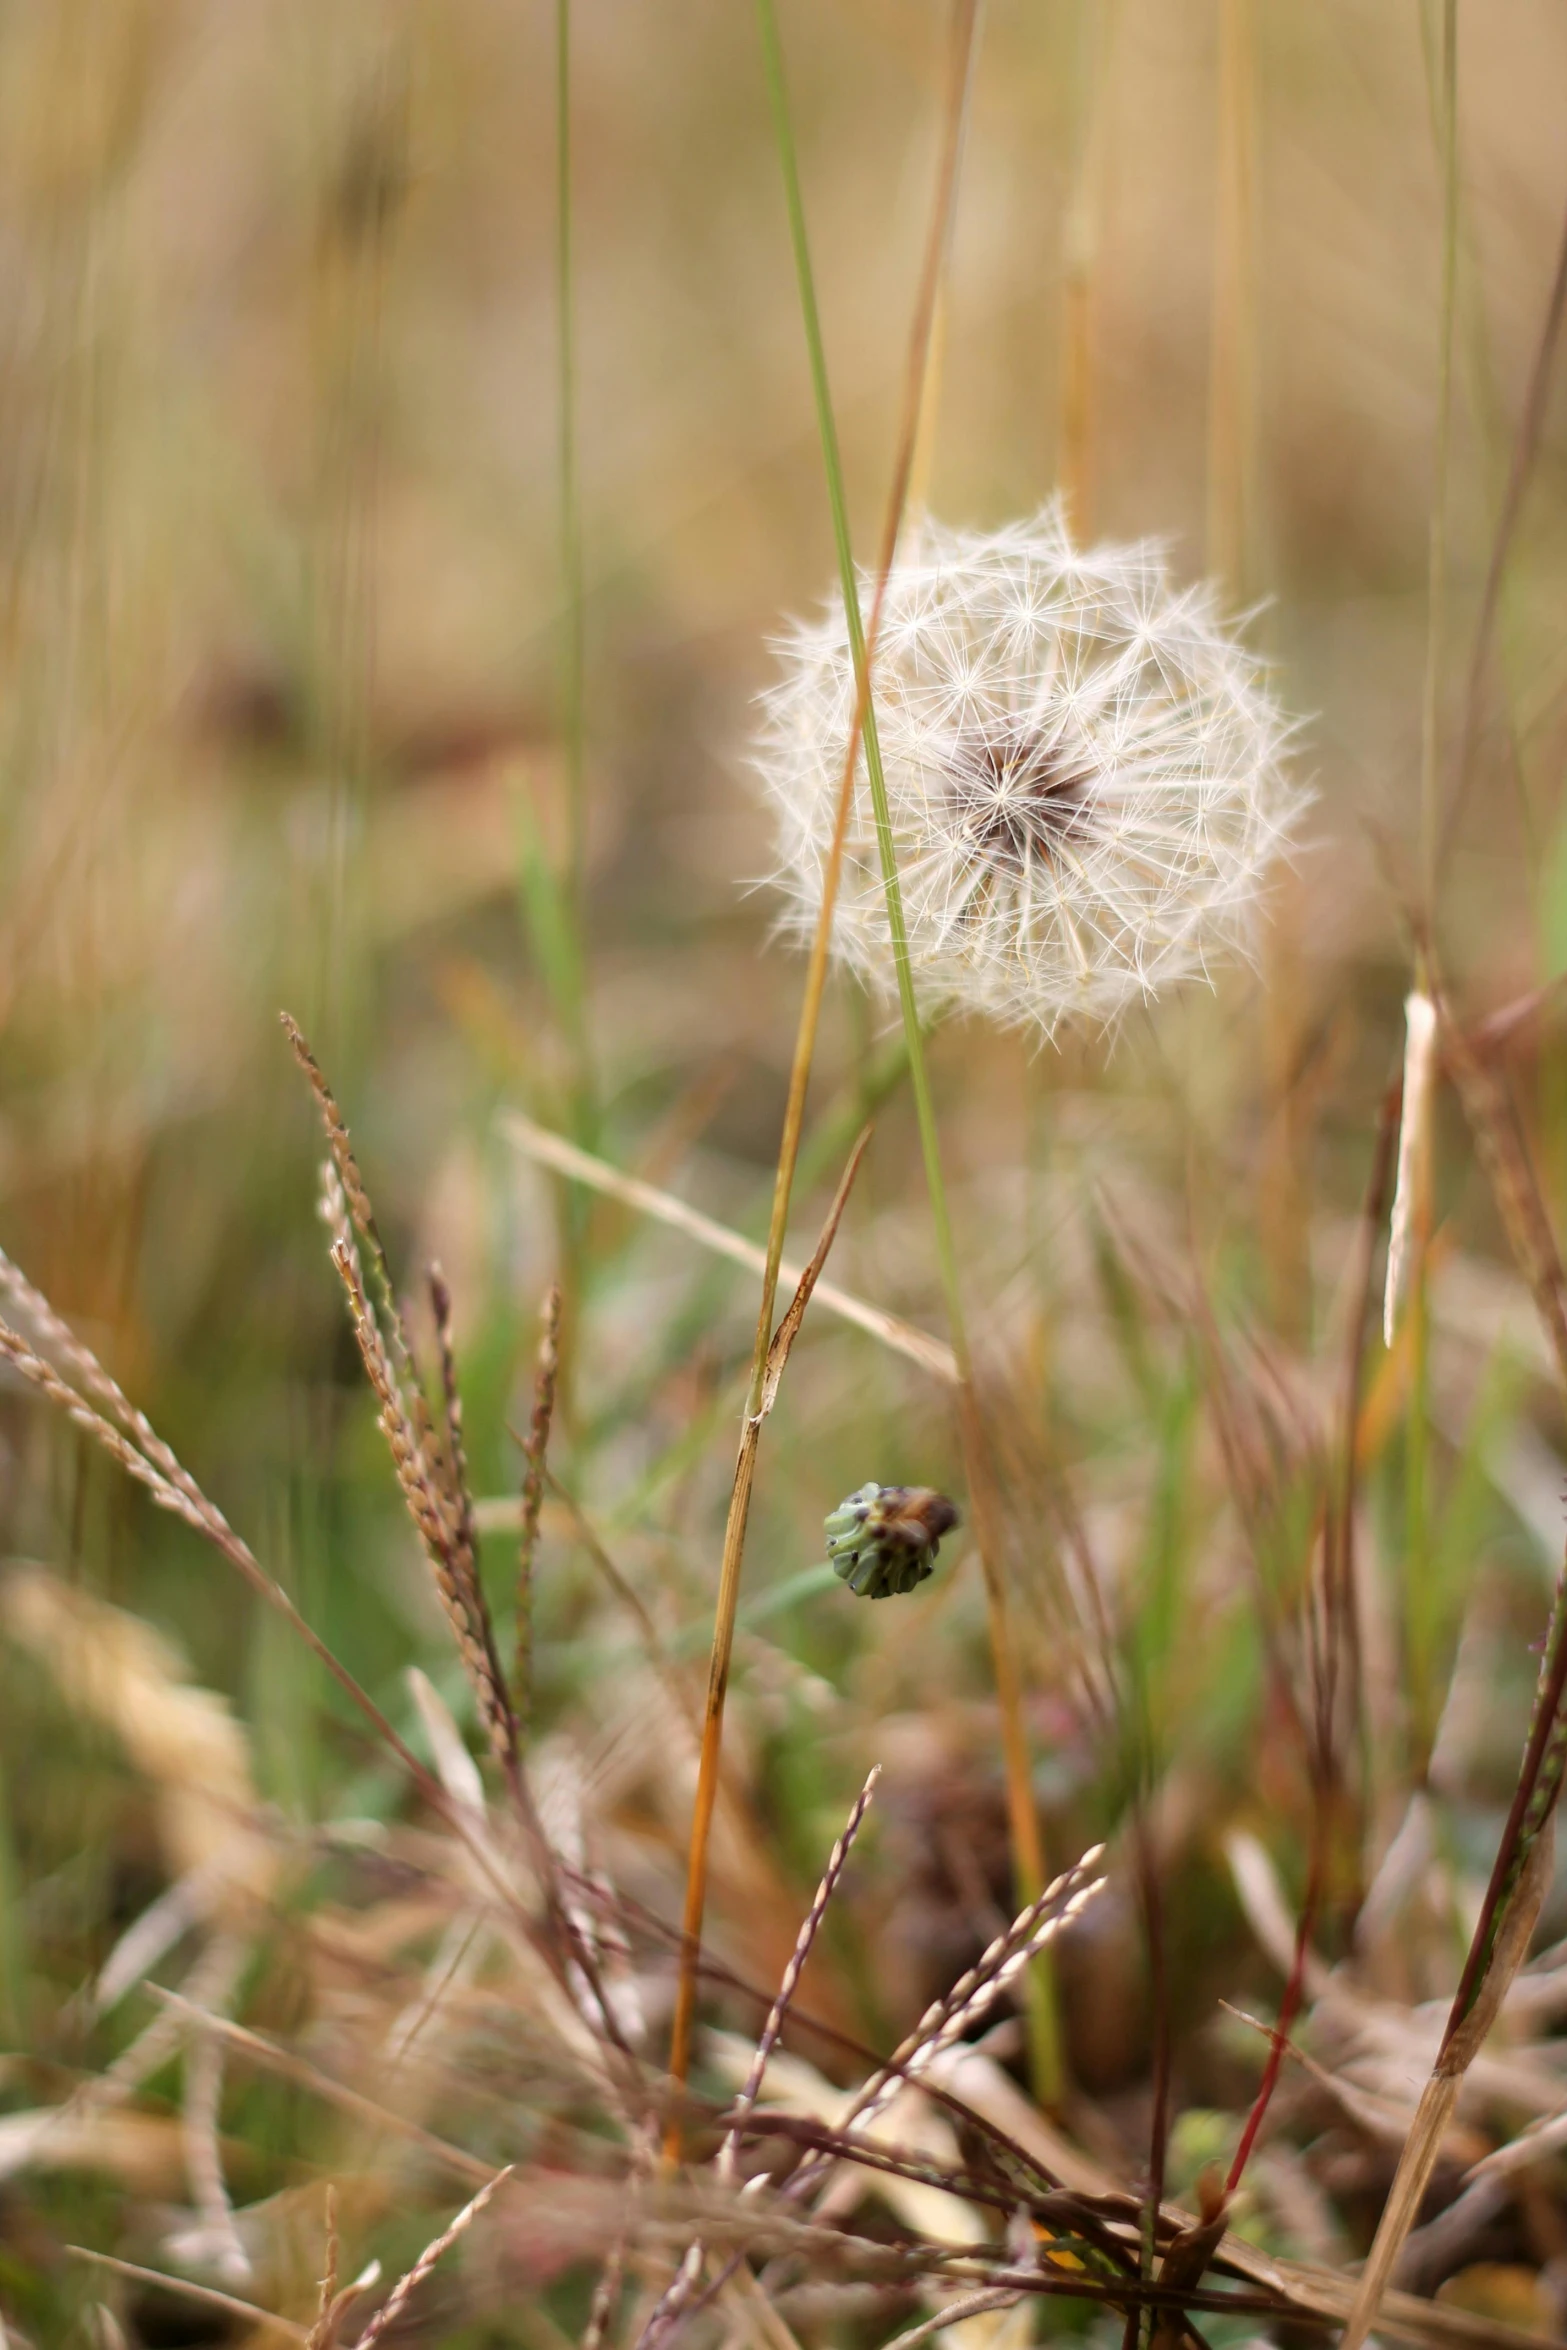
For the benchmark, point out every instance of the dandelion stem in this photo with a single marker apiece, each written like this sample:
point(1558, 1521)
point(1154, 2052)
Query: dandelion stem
point(1027, 1854)
point(727, 1605)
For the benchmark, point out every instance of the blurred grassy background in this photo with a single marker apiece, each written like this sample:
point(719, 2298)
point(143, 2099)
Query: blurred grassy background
point(280, 630)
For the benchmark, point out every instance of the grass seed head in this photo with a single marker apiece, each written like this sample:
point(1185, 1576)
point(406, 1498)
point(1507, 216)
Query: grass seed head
point(1085, 776)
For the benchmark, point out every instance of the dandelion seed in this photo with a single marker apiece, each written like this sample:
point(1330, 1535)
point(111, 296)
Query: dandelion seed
point(1085, 776)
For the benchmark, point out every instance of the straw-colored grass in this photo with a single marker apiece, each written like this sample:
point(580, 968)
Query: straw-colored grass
point(415, 426)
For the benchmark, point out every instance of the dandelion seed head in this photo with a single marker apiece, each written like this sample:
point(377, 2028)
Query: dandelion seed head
point(1085, 774)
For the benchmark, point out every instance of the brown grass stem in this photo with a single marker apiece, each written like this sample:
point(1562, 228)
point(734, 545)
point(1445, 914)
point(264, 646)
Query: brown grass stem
point(1341, 1589)
point(763, 1393)
point(931, 1355)
point(1526, 447)
point(390, 2312)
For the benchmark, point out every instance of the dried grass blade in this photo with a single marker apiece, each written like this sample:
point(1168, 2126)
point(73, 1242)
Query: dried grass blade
point(764, 1389)
point(177, 1492)
point(553, 1150)
point(207, 2296)
point(788, 1329)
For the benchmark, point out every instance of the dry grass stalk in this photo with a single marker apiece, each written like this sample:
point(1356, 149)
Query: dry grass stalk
point(298, 2069)
point(553, 1150)
point(534, 1451)
point(391, 2309)
point(966, 2305)
point(764, 1392)
point(150, 1462)
point(201, 2296)
point(356, 1197)
point(950, 2019)
point(767, 2039)
point(1526, 444)
point(220, 2238)
point(325, 2327)
point(674, 2301)
point(440, 1526)
point(1231, 366)
point(941, 2027)
point(432, 1475)
point(172, 1488)
point(1499, 1144)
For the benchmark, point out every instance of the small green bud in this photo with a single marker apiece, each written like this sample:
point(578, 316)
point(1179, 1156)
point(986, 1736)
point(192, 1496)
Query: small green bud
point(884, 1538)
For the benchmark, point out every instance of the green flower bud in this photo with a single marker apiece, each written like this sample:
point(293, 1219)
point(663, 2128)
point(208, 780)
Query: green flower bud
point(884, 1538)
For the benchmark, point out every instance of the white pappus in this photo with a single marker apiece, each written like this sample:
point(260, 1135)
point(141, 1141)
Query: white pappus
point(1085, 775)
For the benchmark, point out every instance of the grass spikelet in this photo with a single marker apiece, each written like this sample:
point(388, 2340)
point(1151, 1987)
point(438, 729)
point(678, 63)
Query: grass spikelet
point(433, 1477)
point(453, 1562)
point(535, 1449)
point(391, 2309)
point(340, 1144)
point(459, 1491)
point(324, 2330)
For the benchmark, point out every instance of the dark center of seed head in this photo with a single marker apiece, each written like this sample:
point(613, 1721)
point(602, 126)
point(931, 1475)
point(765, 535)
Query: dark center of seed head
point(1021, 798)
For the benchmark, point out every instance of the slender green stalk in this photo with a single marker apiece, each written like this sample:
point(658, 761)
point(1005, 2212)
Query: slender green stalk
point(1028, 1858)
